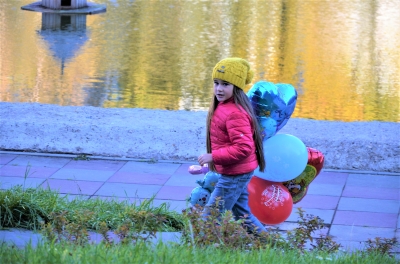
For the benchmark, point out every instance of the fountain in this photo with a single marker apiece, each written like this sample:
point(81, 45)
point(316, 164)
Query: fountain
point(65, 7)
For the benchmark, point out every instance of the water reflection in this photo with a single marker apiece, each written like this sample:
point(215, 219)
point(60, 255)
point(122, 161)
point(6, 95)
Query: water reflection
point(342, 56)
point(64, 35)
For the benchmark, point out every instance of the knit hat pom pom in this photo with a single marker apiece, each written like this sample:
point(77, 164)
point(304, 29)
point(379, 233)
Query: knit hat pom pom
point(250, 75)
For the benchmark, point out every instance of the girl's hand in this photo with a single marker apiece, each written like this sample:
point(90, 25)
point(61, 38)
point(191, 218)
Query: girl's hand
point(205, 158)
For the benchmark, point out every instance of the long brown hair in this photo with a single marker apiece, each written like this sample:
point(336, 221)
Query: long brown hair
point(242, 101)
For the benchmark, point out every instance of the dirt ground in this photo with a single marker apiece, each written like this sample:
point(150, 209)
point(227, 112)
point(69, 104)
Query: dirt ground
point(180, 135)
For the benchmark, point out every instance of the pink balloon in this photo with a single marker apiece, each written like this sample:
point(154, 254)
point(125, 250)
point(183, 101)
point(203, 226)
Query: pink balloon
point(197, 169)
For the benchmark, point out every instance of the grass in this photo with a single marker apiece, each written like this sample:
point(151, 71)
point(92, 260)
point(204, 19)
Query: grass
point(30, 208)
point(164, 253)
point(65, 224)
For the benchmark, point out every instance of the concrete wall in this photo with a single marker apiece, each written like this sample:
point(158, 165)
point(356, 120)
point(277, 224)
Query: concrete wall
point(180, 135)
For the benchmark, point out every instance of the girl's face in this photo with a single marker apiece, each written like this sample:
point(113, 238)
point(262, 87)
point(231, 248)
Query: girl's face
point(222, 90)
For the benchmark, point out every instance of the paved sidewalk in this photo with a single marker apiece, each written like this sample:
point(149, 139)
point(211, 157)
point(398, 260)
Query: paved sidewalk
point(355, 205)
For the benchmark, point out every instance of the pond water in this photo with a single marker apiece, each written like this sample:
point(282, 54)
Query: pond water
point(343, 57)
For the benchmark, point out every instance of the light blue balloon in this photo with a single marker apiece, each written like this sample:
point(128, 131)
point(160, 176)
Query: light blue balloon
point(289, 98)
point(268, 126)
point(286, 157)
point(262, 95)
point(276, 101)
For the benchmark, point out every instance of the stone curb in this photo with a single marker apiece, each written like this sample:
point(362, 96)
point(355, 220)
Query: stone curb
point(180, 135)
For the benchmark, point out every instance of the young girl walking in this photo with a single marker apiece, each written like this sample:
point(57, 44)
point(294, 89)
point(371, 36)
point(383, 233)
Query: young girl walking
point(234, 143)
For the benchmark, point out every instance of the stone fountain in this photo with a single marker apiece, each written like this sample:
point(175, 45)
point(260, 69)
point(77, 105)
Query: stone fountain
point(65, 7)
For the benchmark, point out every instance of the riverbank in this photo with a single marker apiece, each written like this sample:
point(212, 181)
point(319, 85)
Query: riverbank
point(180, 135)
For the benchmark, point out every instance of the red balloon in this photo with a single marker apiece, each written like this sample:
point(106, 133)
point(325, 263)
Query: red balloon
point(269, 201)
point(315, 159)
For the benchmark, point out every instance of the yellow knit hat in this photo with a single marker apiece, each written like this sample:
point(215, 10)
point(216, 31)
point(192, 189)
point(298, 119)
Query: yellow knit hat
point(233, 70)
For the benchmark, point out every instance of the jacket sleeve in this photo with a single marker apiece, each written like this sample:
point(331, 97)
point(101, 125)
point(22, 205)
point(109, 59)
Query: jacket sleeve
point(241, 144)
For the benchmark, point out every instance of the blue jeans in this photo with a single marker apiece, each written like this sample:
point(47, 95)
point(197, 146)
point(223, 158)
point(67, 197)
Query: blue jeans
point(234, 196)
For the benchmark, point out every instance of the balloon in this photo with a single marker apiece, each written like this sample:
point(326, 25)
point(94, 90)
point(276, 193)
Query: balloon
point(272, 101)
point(197, 169)
point(268, 126)
point(316, 159)
point(199, 196)
point(298, 186)
point(288, 94)
point(285, 156)
point(270, 202)
point(209, 181)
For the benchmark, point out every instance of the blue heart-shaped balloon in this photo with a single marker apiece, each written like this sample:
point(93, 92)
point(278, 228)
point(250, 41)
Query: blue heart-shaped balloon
point(273, 105)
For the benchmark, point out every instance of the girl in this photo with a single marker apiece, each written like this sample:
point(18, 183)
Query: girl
point(234, 143)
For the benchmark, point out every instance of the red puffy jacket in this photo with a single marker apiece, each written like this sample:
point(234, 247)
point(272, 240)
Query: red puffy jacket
point(232, 144)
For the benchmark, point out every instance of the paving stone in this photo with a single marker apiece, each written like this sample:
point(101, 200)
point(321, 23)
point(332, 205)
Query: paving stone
point(318, 202)
point(107, 165)
point(368, 205)
point(336, 178)
point(82, 175)
point(351, 246)
point(289, 226)
point(128, 190)
point(325, 215)
point(325, 189)
point(128, 200)
point(72, 186)
point(184, 169)
point(9, 182)
point(284, 226)
point(398, 223)
point(72, 197)
point(371, 192)
point(28, 171)
point(38, 161)
point(360, 233)
point(375, 181)
point(156, 168)
point(184, 180)
point(6, 158)
point(20, 237)
point(160, 237)
point(370, 219)
point(167, 237)
point(174, 193)
point(139, 178)
point(174, 205)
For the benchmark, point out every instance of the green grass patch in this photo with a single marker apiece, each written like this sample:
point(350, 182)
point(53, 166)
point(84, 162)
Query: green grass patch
point(65, 225)
point(30, 208)
point(164, 253)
